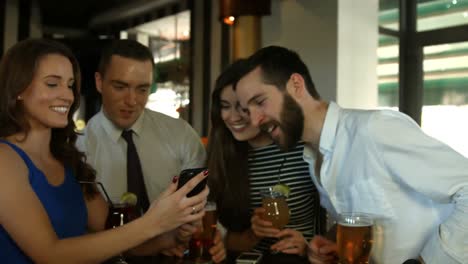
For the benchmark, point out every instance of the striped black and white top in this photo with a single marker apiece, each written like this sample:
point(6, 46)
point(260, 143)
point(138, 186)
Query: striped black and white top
point(269, 162)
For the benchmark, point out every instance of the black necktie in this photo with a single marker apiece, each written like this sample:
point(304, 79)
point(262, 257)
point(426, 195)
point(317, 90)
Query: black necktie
point(135, 182)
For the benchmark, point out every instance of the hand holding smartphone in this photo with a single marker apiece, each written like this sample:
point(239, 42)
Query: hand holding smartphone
point(188, 174)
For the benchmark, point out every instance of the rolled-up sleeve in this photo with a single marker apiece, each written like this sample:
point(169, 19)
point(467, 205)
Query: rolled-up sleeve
point(449, 244)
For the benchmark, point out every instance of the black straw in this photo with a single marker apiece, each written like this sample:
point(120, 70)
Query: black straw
point(102, 187)
point(279, 170)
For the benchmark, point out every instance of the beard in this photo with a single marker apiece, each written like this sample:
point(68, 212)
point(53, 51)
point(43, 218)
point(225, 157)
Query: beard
point(291, 124)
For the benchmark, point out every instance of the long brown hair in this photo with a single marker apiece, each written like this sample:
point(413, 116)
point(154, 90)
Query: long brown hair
point(17, 70)
point(227, 160)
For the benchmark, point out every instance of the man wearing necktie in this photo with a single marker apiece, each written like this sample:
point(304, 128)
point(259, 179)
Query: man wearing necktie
point(135, 181)
point(132, 148)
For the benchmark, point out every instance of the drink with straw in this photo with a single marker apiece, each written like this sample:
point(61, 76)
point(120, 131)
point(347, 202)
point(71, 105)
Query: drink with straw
point(276, 208)
point(121, 211)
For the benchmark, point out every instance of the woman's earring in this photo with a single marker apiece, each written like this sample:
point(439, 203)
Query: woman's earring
point(19, 97)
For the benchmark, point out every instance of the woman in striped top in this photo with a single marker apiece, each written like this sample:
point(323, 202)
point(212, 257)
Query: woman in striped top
point(240, 158)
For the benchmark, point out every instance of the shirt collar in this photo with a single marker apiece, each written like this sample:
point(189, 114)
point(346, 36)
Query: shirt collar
point(328, 134)
point(138, 125)
point(115, 132)
point(308, 154)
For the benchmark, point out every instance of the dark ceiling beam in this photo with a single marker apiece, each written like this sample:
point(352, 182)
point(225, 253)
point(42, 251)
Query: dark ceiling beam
point(244, 8)
point(128, 11)
point(24, 24)
point(443, 35)
point(65, 31)
point(388, 31)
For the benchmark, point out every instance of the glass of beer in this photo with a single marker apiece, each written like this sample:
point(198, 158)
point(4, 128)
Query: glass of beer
point(202, 240)
point(276, 208)
point(354, 238)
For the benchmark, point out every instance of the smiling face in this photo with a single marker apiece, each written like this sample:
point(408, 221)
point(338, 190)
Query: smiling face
point(270, 109)
point(48, 98)
point(125, 88)
point(234, 118)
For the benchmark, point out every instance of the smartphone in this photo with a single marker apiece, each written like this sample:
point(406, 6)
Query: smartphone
point(188, 174)
point(249, 258)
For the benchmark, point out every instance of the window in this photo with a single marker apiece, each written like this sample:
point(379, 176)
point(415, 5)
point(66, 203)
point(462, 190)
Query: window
point(444, 82)
point(387, 71)
point(446, 94)
point(169, 40)
point(441, 14)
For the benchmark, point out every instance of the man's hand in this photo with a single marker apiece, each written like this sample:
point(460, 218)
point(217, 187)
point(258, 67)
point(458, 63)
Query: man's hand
point(291, 242)
point(322, 250)
point(177, 251)
point(182, 236)
point(185, 232)
point(218, 251)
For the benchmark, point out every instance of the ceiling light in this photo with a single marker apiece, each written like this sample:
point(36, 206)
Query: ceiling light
point(229, 20)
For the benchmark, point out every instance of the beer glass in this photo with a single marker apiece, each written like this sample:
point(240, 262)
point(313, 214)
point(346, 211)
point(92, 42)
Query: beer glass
point(276, 208)
point(354, 238)
point(202, 240)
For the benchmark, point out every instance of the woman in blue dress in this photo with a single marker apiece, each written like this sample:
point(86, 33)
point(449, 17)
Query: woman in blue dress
point(45, 215)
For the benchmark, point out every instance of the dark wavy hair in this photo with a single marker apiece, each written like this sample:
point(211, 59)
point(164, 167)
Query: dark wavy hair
point(17, 70)
point(227, 160)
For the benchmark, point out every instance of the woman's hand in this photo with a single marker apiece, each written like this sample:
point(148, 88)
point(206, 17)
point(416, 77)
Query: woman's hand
point(218, 251)
point(291, 242)
point(260, 227)
point(322, 250)
point(173, 208)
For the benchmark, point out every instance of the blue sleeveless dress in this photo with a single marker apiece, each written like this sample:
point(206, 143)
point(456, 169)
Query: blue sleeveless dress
point(65, 206)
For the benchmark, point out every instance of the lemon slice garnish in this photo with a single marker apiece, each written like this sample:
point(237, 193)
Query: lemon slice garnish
point(129, 198)
point(283, 189)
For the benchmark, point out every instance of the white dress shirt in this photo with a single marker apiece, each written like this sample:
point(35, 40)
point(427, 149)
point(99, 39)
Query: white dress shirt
point(380, 162)
point(165, 146)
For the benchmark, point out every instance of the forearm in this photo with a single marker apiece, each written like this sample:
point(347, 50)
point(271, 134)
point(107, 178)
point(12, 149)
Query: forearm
point(241, 241)
point(97, 247)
